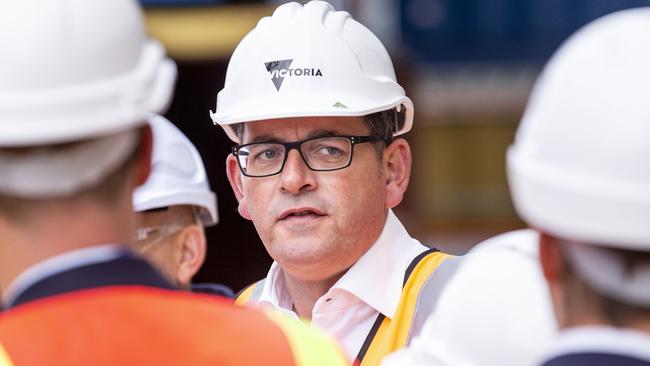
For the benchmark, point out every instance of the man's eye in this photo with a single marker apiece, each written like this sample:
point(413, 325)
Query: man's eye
point(330, 150)
point(268, 154)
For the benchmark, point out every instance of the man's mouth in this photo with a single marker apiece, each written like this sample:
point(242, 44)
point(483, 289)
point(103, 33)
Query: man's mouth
point(301, 212)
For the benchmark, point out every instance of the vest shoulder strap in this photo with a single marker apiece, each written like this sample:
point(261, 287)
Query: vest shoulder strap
point(250, 294)
point(423, 281)
point(4, 358)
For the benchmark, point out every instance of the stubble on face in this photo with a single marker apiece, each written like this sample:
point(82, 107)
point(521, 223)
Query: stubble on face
point(320, 230)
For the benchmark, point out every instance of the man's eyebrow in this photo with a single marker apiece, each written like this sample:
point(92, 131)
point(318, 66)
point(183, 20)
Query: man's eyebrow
point(322, 133)
point(310, 135)
point(264, 138)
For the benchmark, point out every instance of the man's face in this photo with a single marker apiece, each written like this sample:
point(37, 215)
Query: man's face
point(162, 248)
point(314, 224)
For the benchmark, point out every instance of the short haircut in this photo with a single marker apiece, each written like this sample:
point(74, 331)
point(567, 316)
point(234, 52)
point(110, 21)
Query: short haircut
point(617, 312)
point(382, 124)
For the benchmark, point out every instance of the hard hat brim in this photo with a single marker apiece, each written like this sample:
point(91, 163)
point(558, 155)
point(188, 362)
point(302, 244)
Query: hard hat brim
point(312, 105)
point(576, 207)
point(89, 110)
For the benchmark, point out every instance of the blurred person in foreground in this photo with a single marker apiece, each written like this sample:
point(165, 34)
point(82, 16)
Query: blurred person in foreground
point(173, 208)
point(313, 104)
point(579, 174)
point(78, 79)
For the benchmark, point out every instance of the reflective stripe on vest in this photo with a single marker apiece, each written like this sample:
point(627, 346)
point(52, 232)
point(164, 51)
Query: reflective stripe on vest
point(306, 344)
point(423, 281)
point(4, 358)
point(250, 294)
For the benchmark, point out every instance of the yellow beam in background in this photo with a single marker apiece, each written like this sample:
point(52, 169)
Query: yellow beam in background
point(203, 33)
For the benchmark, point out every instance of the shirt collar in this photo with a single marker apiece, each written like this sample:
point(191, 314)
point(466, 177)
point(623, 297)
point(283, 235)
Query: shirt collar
point(383, 265)
point(57, 264)
point(602, 339)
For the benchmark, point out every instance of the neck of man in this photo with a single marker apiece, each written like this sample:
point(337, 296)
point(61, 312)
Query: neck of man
point(636, 323)
point(305, 293)
point(57, 228)
point(578, 306)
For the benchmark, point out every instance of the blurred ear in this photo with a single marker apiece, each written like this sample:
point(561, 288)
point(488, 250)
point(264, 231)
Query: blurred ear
point(193, 251)
point(397, 171)
point(550, 258)
point(235, 179)
point(143, 161)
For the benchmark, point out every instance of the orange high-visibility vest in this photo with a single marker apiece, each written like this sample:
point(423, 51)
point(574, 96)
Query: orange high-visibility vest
point(134, 325)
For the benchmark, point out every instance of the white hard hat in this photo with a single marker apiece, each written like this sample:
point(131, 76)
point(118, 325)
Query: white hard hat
point(495, 310)
point(580, 165)
point(309, 61)
point(177, 175)
point(77, 69)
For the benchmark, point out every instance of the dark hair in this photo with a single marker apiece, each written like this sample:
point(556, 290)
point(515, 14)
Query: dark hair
point(379, 123)
point(617, 312)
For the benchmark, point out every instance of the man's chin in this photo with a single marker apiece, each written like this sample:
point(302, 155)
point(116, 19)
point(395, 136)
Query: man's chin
point(304, 264)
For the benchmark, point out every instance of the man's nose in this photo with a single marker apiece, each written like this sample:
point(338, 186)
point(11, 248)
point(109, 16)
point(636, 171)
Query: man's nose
point(296, 175)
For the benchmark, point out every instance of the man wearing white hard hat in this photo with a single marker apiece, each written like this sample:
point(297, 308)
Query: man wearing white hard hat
point(579, 172)
point(313, 104)
point(173, 207)
point(78, 79)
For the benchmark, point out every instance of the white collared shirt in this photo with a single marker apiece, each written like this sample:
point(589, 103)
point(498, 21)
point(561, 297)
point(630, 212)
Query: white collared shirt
point(371, 286)
point(57, 264)
point(601, 339)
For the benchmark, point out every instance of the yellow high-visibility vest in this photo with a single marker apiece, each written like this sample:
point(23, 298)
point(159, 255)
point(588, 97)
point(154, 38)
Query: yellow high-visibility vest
point(423, 281)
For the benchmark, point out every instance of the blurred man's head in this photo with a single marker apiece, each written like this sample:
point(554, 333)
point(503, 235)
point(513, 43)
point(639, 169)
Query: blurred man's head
point(73, 136)
point(579, 172)
point(174, 205)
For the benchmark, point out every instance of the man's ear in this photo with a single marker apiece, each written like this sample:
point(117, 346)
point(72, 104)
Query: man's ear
point(397, 162)
point(143, 162)
point(235, 179)
point(193, 251)
point(550, 258)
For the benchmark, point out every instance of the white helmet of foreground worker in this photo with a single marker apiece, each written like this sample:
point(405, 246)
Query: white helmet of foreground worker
point(80, 71)
point(177, 177)
point(77, 69)
point(309, 61)
point(580, 165)
point(495, 310)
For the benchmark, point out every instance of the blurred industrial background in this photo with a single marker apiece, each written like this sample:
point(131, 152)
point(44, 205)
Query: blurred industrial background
point(468, 65)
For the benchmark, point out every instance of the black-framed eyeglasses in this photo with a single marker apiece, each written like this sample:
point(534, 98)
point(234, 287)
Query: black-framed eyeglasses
point(263, 159)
